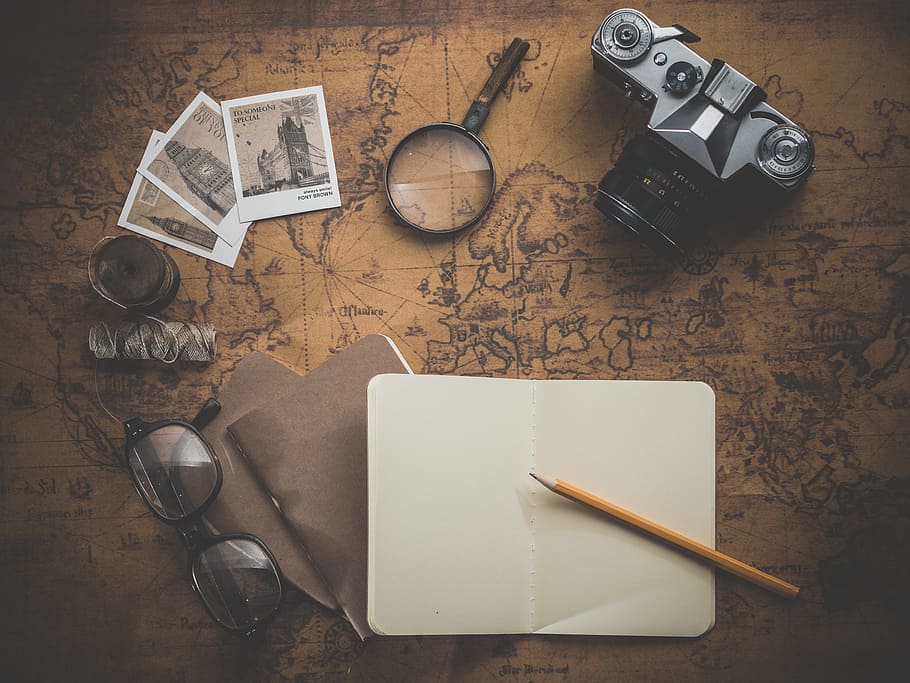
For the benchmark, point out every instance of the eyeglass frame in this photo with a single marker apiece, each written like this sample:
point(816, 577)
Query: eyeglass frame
point(196, 537)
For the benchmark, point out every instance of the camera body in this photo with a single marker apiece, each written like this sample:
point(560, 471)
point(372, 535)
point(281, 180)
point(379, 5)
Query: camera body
point(713, 144)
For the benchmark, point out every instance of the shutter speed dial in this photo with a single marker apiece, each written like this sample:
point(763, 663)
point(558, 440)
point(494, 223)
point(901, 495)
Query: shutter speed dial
point(785, 152)
point(626, 35)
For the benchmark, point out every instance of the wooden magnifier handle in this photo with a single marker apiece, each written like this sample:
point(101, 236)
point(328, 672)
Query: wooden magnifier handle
point(477, 114)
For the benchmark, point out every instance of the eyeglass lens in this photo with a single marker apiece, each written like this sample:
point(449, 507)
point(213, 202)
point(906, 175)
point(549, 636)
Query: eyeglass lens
point(238, 582)
point(440, 178)
point(175, 471)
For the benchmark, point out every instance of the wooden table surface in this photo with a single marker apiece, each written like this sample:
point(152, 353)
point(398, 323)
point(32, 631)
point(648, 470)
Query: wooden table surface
point(800, 321)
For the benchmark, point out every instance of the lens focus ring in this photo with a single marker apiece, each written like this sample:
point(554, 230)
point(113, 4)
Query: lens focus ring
point(657, 194)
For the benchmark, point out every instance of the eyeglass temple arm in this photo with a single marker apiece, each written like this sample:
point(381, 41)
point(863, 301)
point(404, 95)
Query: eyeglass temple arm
point(206, 414)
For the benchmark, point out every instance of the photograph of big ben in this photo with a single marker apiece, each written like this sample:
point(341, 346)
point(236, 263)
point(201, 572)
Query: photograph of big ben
point(192, 165)
point(281, 153)
point(153, 213)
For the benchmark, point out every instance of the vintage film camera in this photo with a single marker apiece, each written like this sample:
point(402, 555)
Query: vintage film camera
point(713, 144)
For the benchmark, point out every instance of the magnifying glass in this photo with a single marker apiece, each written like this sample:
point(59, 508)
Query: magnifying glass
point(440, 178)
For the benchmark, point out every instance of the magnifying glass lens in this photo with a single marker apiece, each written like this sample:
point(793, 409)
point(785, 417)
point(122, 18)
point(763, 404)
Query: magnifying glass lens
point(440, 178)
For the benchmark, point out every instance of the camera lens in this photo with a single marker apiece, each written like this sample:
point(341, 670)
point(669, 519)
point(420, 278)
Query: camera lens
point(661, 197)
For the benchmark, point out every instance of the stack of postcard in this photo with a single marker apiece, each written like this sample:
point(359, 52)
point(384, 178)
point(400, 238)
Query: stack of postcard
point(220, 167)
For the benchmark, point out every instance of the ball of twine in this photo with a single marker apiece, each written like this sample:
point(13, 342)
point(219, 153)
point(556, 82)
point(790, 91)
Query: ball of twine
point(153, 339)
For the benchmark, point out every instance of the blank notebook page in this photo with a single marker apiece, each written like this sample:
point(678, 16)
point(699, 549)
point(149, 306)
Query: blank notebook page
point(462, 540)
point(649, 448)
point(449, 537)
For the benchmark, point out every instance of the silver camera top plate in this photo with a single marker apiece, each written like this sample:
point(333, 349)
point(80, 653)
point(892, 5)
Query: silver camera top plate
point(724, 125)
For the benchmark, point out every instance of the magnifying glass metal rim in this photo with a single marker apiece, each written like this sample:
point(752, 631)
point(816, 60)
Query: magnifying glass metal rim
point(471, 125)
point(468, 134)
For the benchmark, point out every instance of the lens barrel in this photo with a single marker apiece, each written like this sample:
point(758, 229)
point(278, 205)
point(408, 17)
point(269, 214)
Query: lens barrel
point(660, 196)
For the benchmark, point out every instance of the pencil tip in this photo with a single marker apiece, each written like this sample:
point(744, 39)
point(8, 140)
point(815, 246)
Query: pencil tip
point(545, 481)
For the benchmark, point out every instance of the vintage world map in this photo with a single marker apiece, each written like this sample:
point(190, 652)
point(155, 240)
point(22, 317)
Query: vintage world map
point(798, 320)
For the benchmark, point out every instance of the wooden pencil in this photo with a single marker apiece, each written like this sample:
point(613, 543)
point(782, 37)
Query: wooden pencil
point(725, 562)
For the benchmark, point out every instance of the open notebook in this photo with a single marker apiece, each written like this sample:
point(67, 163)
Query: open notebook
point(462, 540)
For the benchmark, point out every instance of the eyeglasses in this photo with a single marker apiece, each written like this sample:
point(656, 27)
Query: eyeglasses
point(178, 476)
